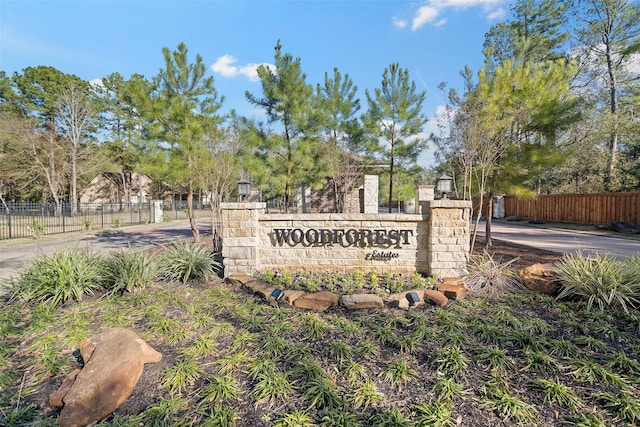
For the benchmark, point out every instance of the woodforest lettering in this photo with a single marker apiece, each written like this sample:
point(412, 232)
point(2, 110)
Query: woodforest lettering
point(346, 238)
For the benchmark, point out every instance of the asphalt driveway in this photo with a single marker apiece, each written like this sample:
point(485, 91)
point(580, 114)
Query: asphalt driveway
point(552, 238)
point(16, 255)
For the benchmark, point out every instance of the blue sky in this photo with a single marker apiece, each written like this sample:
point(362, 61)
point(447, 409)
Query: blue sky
point(433, 39)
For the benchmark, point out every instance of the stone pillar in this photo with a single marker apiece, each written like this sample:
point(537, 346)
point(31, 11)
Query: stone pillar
point(370, 194)
point(156, 211)
point(449, 238)
point(424, 193)
point(241, 236)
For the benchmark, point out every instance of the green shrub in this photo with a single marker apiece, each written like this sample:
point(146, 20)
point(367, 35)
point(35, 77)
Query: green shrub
point(67, 274)
point(186, 261)
point(491, 277)
point(128, 271)
point(602, 280)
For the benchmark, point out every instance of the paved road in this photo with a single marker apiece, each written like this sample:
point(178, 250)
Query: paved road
point(563, 241)
point(13, 256)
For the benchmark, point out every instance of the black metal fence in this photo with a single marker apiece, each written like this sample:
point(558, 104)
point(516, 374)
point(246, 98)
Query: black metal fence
point(18, 220)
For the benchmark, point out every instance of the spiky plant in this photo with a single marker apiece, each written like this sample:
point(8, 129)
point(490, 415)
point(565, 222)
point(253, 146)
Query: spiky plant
point(129, 271)
point(271, 388)
point(491, 277)
point(295, 418)
point(450, 361)
point(446, 389)
point(398, 372)
point(364, 395)
point(68, 274)
point(180, 376)
point(601, 280)
point(555, 391)
point(624, 405)
point(323, 393)
point(186, 261)
point(340, 418)
point(510, 408)
point(219, 415)
point(436, 413)
point(220, 388)
point(393, 417)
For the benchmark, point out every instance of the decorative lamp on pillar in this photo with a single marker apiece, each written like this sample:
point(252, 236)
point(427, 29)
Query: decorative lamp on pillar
point(444, 185)
point(244, 189)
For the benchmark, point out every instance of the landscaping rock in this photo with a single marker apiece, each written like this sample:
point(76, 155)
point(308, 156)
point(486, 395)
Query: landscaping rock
point(318, 301)
point(56, 397)
point(291, 295)
point(238, 279)
point(454, 291)
point(255, 286)
point(360, 301)
point(399, 300)
point(540, 278)
point(114, 361)
point(436, 297)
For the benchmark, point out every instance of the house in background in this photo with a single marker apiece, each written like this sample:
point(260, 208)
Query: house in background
point(117, 187)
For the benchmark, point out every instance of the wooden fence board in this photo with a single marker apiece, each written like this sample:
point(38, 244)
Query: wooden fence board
point(600, 208)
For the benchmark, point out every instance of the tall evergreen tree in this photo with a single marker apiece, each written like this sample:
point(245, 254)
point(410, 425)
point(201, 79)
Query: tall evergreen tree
point(537, 32)
point(185, 108)
point(339, 106)
point(394, 121)
point(289, 155)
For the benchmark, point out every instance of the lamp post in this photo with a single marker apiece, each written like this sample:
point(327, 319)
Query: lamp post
point(443, 185)
point(244, 188)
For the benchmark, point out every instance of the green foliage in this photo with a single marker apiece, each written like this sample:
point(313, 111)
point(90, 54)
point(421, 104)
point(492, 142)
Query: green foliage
point(283, 160)
point(446, 389)
point(624, 405)
point(364, 395)
point(602, 281)
point(340, 351)
point(394, 120)
point(450, 361)
point(436, 413)
point(340, 418)
point(493, 358)
point(555, 391)
point(220, 389)
point(181, 375)
point(129, 271)
point(393, 417)
point(55, 279)
point(19, 416)
point(37, 229)
point(398, 372)
point(272, 388)
point(323, 393)
point(220, 416)
point(295, 418)
point(187, 262)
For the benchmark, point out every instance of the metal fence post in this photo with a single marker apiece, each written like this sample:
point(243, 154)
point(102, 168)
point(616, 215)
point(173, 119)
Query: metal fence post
point(9, 219)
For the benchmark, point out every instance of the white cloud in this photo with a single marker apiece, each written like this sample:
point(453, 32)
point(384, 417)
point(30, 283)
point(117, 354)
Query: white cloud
point(431, 10)
point(224, 65)
point(499, 13)
point(424, 15)
point(400, 23)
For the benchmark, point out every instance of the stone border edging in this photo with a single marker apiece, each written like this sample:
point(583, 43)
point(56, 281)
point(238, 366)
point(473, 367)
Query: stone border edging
point(450, 288)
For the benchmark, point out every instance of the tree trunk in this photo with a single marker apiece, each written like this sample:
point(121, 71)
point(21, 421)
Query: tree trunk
point(488, 243)
point(192, 219)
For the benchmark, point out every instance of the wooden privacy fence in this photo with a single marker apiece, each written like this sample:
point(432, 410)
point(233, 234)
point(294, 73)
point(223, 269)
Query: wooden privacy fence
point(600, 208)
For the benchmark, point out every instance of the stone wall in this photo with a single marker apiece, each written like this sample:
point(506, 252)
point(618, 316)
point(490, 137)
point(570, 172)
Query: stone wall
point(433, 242)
